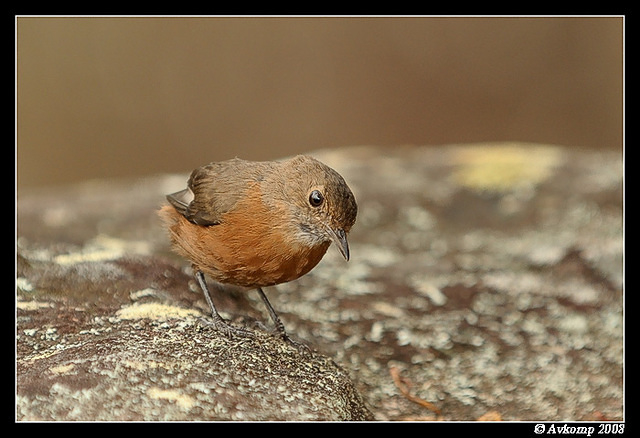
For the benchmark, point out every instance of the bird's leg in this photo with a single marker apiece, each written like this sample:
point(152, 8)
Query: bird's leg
point(278, 323)
point(218, 321)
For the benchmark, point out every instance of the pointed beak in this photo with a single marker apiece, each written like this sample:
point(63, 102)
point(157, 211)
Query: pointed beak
point(339, 237)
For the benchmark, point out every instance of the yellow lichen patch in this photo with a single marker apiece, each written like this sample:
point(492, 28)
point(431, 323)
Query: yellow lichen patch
point(39, 356)
point(62, 369)
point(504, 167)
point(155, 311)
point(182, 400)
point(32, 305)
point(103, 248)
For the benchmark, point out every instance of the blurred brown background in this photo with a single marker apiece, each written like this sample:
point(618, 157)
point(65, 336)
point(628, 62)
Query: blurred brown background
point(111, 97)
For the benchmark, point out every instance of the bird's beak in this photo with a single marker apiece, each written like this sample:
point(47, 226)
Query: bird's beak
point(339, 237)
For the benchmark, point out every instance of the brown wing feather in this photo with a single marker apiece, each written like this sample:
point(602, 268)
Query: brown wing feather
point(216, 188)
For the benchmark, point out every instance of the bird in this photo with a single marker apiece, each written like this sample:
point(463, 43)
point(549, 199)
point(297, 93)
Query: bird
point(256, 224)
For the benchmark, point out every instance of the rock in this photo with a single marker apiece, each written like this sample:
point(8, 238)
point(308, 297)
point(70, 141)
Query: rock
point(488, 276)
point(161, 363)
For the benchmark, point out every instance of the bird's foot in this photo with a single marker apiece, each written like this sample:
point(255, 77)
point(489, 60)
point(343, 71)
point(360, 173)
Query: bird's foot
point(227, 329)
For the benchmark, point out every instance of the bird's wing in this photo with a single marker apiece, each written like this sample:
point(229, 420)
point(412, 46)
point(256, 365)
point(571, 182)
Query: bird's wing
point(214, 189)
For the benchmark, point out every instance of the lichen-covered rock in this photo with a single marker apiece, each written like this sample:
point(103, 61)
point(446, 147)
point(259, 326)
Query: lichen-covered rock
point(489, 277)
point(154, 362)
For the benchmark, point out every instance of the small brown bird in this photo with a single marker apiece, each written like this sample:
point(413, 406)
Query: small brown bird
point(257, 224)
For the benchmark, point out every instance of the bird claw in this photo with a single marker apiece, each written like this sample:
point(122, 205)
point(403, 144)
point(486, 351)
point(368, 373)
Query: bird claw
point(227, 329)
point(230, 330)
point(300, 346)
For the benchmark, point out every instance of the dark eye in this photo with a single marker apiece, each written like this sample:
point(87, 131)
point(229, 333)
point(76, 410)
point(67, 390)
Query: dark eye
point(316, 199)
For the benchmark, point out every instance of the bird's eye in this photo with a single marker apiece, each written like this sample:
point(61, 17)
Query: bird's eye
point(316, 199)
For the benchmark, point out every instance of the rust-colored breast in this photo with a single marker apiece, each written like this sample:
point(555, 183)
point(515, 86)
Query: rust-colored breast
point(252, 246)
